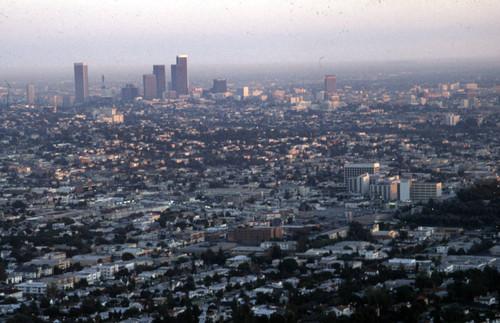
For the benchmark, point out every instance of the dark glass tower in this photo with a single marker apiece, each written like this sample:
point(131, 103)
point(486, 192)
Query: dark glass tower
point(220, 86)
point(181, 76)
point(129, 92)
point(81, 83)
point(330, 83)
point(149, 82)
point(161, 85)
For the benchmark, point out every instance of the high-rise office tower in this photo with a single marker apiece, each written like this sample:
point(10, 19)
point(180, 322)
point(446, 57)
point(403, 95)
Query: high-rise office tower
point(242, 92)
point(129, 92)
point(330, 84)
point(423, 192)
point(354, 170)
point(30, 94)
point(149, 82)
point(81, 83)
point(180, 80)
point(161, 85)
point(220, 86)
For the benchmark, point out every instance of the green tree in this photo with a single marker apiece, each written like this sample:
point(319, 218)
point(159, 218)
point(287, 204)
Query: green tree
point(454, 314)
point(3, 272)
point(18, 204)
point(82, 283)
point(357, 232)
point(88, 306)
point(44, 302)
point(131, 312)
point(277, 318)
point(52, 290)
point(276, 252)
point(127, 256)
point(288, 266)
point(242, 314)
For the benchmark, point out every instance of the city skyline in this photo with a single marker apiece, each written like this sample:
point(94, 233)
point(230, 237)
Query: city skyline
point(317, 161)
point(250, 33)
point(205, 73)
point(269, 181)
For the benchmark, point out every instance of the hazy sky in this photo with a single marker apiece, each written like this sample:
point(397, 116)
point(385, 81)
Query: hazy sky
point(37, 33)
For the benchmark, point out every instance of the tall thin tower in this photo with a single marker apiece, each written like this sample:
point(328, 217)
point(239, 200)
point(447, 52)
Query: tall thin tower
point(81, 83)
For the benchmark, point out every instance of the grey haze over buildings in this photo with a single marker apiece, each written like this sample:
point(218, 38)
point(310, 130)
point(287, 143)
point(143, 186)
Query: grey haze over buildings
point(41, 36)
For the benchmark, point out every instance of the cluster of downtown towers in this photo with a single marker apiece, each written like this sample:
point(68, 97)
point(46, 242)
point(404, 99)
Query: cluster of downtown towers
point(154, 84)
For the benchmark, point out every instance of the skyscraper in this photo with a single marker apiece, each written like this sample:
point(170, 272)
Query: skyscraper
point(173, 76)
point(161, 86)
point(149, 82)
point(420, 192)
point(180, 80)
point(30, 94)
point(81, 83)
point(129, 92)
point(220, 86)
point(354, 170)
point(242, 92)
point(330, 84)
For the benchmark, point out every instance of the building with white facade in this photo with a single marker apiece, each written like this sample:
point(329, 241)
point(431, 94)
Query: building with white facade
point(386, 190)
point(359, 184)
point(107, 271)
point(32, 288)
point(92, 276)
point(424, 191)
point(404, 189)
point(354, 170)
point(284, 245)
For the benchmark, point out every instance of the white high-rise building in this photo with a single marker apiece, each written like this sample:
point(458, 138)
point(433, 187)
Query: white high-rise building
point(422, 192)
point(354, 170)
point(242, 92)
point(360, 184)
point(404, 189)
point(386, 189)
